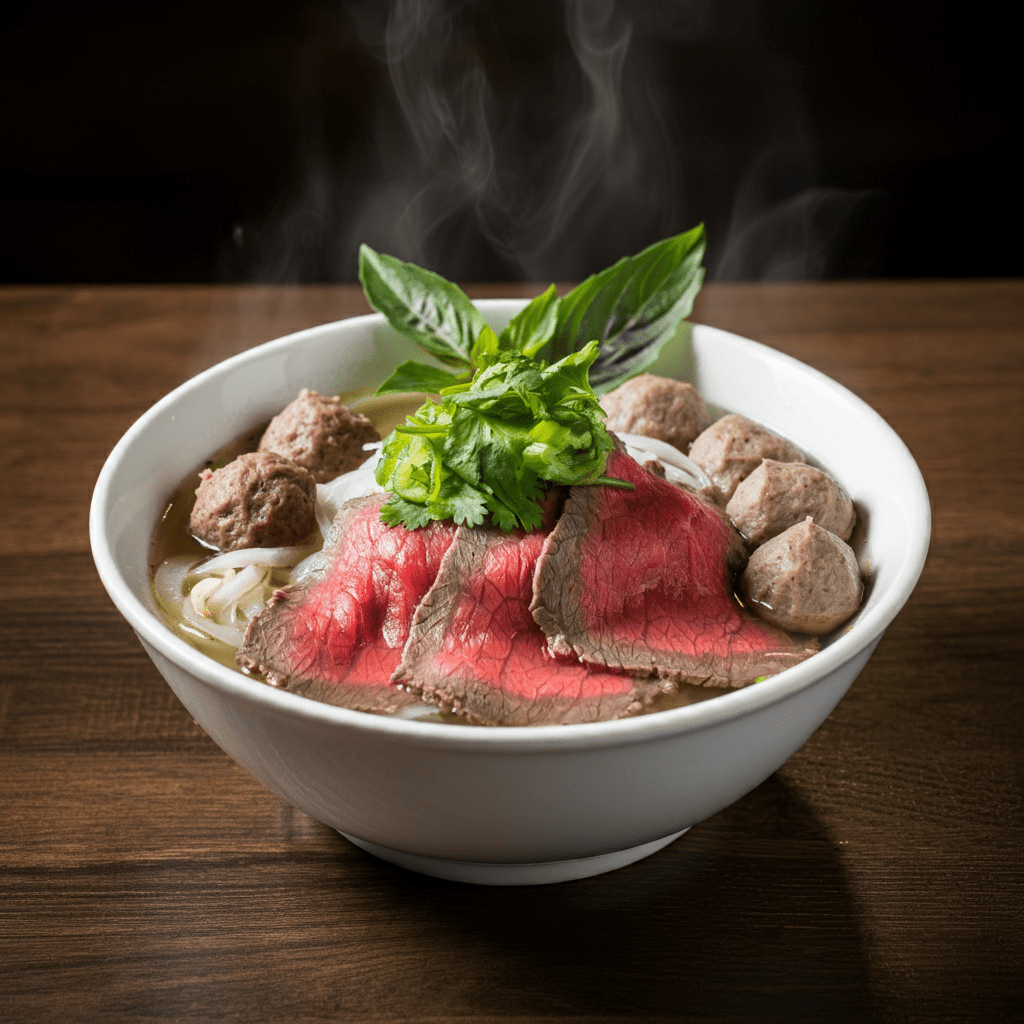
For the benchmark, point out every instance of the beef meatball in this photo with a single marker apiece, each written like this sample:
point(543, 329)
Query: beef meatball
point(733, 447)
point(778, 495)
point(657, 407)
point(319, 434)
point(260, 500)
point(804, 580)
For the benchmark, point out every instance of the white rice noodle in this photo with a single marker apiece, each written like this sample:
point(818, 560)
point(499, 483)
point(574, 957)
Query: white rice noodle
point(239, 598)
point(306, 566)
point(678, 468)
point(224, 600)
point(415, 711)
point(202, 590)
point(252, 603)
point(232, 634)
point(279, 557)
point(333, 494)
point(169, 579)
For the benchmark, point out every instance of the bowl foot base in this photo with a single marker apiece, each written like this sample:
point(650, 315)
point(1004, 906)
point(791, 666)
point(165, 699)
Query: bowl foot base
point(543, 873)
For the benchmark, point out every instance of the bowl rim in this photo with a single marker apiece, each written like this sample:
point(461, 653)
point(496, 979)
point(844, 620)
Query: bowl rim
point(154, 632)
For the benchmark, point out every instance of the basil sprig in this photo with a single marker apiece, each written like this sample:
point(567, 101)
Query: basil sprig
point(435, 313)
point(632, 308)
point(518, 408)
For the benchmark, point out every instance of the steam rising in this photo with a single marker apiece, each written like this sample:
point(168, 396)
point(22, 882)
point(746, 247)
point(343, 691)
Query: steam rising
point(546, 145)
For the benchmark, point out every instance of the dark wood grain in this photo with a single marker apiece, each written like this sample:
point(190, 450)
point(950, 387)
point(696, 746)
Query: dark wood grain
point(876, 877)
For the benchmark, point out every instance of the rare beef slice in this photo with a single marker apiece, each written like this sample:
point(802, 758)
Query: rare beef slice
point(475, 649)
point(641, 581)
point(338, 635)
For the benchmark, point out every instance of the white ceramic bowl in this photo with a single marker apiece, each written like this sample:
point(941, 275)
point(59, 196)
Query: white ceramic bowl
point(508, 805)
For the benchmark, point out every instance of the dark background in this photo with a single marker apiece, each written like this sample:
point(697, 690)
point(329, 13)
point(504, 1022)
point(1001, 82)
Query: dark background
point(262, 141)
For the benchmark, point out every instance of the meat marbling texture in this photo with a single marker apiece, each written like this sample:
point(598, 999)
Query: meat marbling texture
point(639, 581)
point(585, 621)
point(475, 648)
point(338, 636)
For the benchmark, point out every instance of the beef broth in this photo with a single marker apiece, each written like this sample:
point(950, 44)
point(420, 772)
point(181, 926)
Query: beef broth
point(506, 629)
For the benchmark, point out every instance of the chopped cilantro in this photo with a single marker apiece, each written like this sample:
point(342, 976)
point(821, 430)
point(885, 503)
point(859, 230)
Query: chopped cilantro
point(508, 422)
point(489, 445)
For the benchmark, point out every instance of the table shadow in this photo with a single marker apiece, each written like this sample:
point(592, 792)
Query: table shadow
point(749, 916)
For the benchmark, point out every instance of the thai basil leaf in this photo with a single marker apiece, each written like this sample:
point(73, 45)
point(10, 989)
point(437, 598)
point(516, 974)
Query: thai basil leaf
point(485, 349)
point(533, 326)
point(525, 410)
point(413, 376)
point(421, 305)
point(632, 308)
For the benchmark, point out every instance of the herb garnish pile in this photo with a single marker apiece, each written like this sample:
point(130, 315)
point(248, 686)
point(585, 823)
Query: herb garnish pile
point(518, 409)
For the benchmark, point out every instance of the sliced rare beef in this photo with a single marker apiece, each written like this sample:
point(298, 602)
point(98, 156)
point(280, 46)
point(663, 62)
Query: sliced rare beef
point(641, 581)
point(474, 647)
point(338, 635)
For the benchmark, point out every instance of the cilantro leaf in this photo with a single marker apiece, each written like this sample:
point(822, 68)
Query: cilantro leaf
point(492, 444)
point(399, 512)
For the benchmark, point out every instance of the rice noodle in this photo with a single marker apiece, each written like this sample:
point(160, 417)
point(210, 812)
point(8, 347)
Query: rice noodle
point(242, 557)
point(688, 471)
point(240, 593)
point(416, 711)
point(252, 603)
point(306, 566)
point(169, 579)
point(229, 634)
point(333, 494)
point(231, 590)
point(199, 594)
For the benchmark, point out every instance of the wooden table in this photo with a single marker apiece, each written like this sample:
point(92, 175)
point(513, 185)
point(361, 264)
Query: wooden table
point(874, 878)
